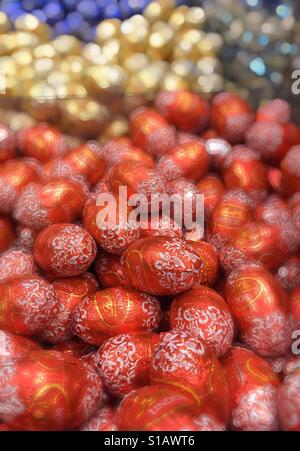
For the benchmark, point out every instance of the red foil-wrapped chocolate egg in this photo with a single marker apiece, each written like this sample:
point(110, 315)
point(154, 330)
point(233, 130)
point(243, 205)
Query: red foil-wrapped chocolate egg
point(253, 387)
point(254, 241)
point(231, 116)
point(184, 109)
point(244, 170)
point(210, 262)
point(157, 408)
point(103, 420)
point(42, 142)
point(27, 305)
point(277, 110)
point(87, 160)
point(14, 348)
point(161, 266)
point(137, 178)
point(14, 176)
point(295, 307)
point(288, 274)
point(182, 360)
point(70, 292)
point(16, 263)
point(7, 234)
point(64, 250)
point(289, 402)
point(110, 225)
point(122, 149)
point(212, 187)
point(269, 139)
point(7, 144)
point(204, 313)
point(115, 311)
point(60, 200)
point(230, 214)
point(110, 271)
point(294, 204)
point(189, 160)
point(123, 362)
point(151, 132)
point(261, 309)
point(290, 169)
point(48, 391)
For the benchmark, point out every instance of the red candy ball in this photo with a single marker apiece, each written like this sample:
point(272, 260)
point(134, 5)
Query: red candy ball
point(110, 271)
point(157, 408)
point(289, 402)
point(269, 139)
point(137, 178)
point(7, 234)
point(244, 170)
point(70, 292)
point(231, 116)
point(186, 110)
point(14, 348)
point(16, 263)
point(189, 160)
point(161, 265)
point(14, 177)
point(254, 241)
point(48, 391)
point(116, 237)
point(60, 200)
point(183, 360)
point(290, 168)
point(64, 250)
point(288, 274)
point(42, 142)
point(277, 110)
point(212, 187)
point(260, 307)
point(151, 132)
point(122, 149)
point(295, 307)
point(27, 305)
point(204, 313)
point(123, 362)
point(210, 262)
point(115, 311)
point(294, 204)
point(7, 144)
point(229, 215)
point(87, 160)
point(253, 389)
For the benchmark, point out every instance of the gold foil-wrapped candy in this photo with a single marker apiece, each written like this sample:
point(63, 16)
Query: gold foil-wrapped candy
point(30, 23)
point(5, 24)
point(79, 85)
point(84, 117)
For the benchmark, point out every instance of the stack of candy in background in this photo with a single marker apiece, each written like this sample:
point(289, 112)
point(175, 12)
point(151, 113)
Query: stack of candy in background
point(165, 48)
point(145, 326)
